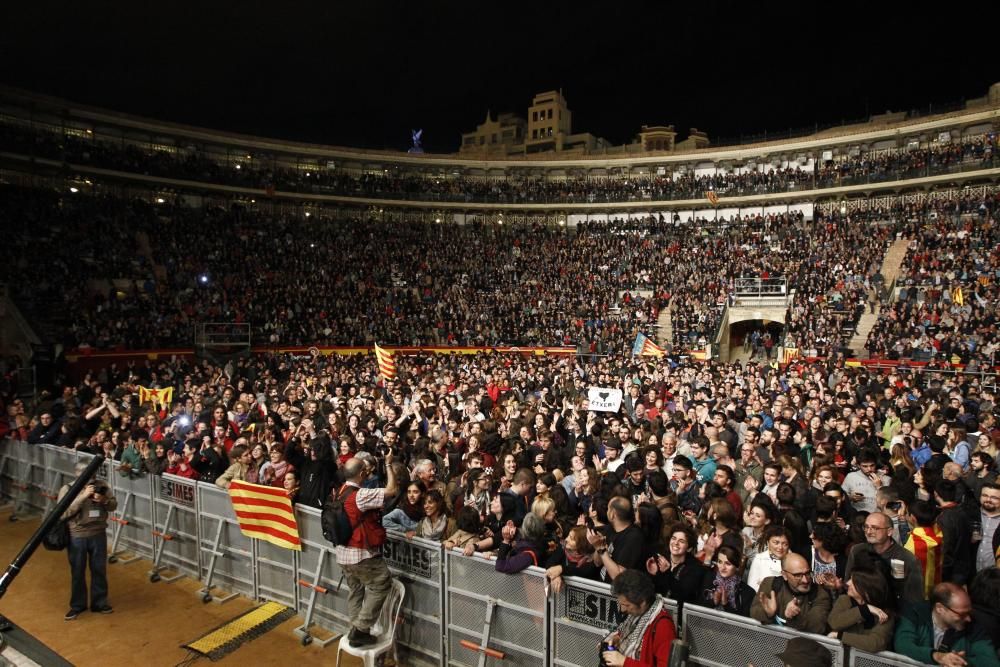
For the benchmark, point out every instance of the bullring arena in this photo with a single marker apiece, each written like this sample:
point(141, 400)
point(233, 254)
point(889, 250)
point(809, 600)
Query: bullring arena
point(667, 341)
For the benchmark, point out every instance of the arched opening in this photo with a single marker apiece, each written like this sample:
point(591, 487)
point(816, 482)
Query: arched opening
point(754, 339)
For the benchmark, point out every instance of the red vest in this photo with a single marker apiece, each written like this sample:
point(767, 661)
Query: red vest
point(368, 531)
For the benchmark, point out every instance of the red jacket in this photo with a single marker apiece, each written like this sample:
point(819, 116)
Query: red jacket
point(656, 643)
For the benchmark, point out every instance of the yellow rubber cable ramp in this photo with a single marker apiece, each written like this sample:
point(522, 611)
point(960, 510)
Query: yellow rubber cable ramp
point(247, 626)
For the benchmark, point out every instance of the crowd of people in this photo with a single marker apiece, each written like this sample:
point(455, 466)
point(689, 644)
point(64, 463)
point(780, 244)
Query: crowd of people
point(859, 503)
point(947, 293)
point(130, 274)
point(262, 172)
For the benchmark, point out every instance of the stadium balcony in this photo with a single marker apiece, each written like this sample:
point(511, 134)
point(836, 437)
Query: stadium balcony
point(41, 133)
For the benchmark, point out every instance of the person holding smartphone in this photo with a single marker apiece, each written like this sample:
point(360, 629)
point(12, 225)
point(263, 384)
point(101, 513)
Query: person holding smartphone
point(87, 517)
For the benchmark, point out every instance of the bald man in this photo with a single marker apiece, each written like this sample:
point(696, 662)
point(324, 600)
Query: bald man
point(942, 631)
point(792, 600)
point(903, 567)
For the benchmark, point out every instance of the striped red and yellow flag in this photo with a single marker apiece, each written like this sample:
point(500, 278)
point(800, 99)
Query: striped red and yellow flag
point(265, 513)
point(927, 545)
point(386, 364)
point(712, 198)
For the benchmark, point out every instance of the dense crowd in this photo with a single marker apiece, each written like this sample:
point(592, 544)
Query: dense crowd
point(827, 499)
point(128, 274)
point(263, 172)
point(948, 293)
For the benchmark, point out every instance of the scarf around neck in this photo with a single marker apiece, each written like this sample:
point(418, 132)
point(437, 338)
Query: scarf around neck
point(634, 629)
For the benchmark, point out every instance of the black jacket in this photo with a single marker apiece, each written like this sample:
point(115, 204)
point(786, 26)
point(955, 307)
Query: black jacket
point(316, 478)
point(684, 582)
point(958, 553)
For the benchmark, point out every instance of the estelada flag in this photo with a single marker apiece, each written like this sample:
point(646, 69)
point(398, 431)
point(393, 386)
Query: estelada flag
point(643, 347)
point(386, 364)
point(265, 513)
point(712, 198)
point(162, 397)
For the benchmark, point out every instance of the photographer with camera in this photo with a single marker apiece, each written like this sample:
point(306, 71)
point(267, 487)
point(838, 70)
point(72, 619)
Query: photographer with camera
point(646, 636)
point(367, 574)
point(87, 517)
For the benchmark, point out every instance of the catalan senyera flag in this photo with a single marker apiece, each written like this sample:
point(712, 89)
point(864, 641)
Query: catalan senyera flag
point(386, 364)
point(927, 544)
point(957, 297)
point(712, 198)
point(643, 347)
point(265, 513)
point(791, 353)
point(162, 397)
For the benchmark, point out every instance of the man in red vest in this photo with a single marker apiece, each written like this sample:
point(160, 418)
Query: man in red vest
point(361, 559)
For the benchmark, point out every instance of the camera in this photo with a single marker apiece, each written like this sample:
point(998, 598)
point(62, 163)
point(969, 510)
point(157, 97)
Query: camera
point(895, 505)
point(605, 646)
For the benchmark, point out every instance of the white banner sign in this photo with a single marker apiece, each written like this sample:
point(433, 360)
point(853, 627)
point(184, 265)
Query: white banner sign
point(604, 400)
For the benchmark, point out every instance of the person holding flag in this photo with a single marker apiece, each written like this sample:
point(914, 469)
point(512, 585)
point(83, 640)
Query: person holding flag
point(644, 347)
point(386, 363)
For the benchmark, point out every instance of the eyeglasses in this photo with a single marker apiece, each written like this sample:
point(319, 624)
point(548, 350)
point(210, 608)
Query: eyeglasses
point(961, 614)
point(874, 529)
point(799, 575)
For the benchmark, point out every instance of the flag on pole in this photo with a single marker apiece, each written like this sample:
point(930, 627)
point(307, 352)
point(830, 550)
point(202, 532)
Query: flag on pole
point(957, 297)
point(265, 513)
point(162, 397)
point(643, 347)
point(386, 364)
point(712, 198)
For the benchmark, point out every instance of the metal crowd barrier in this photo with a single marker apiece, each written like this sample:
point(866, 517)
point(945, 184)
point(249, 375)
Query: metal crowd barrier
point(417, 563)
point(719, 639)
point(57, 467)
point(223, 555)
point(458, 610)
point(489, 612)
point(323, 598)
point(884, 659)
point(132, 523)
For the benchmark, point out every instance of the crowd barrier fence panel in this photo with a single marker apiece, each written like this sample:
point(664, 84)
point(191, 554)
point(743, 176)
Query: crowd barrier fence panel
point(417, 562)
point(884, 659)
point(719, 639)
point(174, 528)
point(10, 464)
point(583, 614)
point(33, 480)
point(277, 573)
point(489, 611)
point(131, 527)
point(225, 554)
point(323, 598)
point(58, 468)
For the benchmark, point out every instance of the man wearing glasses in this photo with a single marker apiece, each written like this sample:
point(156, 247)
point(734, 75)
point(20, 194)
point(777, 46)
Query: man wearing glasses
point(941, 632)
point(792, 600)
point(903, 568)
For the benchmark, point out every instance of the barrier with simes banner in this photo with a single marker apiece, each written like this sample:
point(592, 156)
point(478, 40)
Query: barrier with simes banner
point(175, 528)
point(417, 563)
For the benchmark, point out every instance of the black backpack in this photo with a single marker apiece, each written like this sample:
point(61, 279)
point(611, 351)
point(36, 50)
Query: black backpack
point(57, 539)
point(337, 528)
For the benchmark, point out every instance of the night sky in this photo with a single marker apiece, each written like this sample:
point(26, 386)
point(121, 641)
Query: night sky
point(364, 73)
